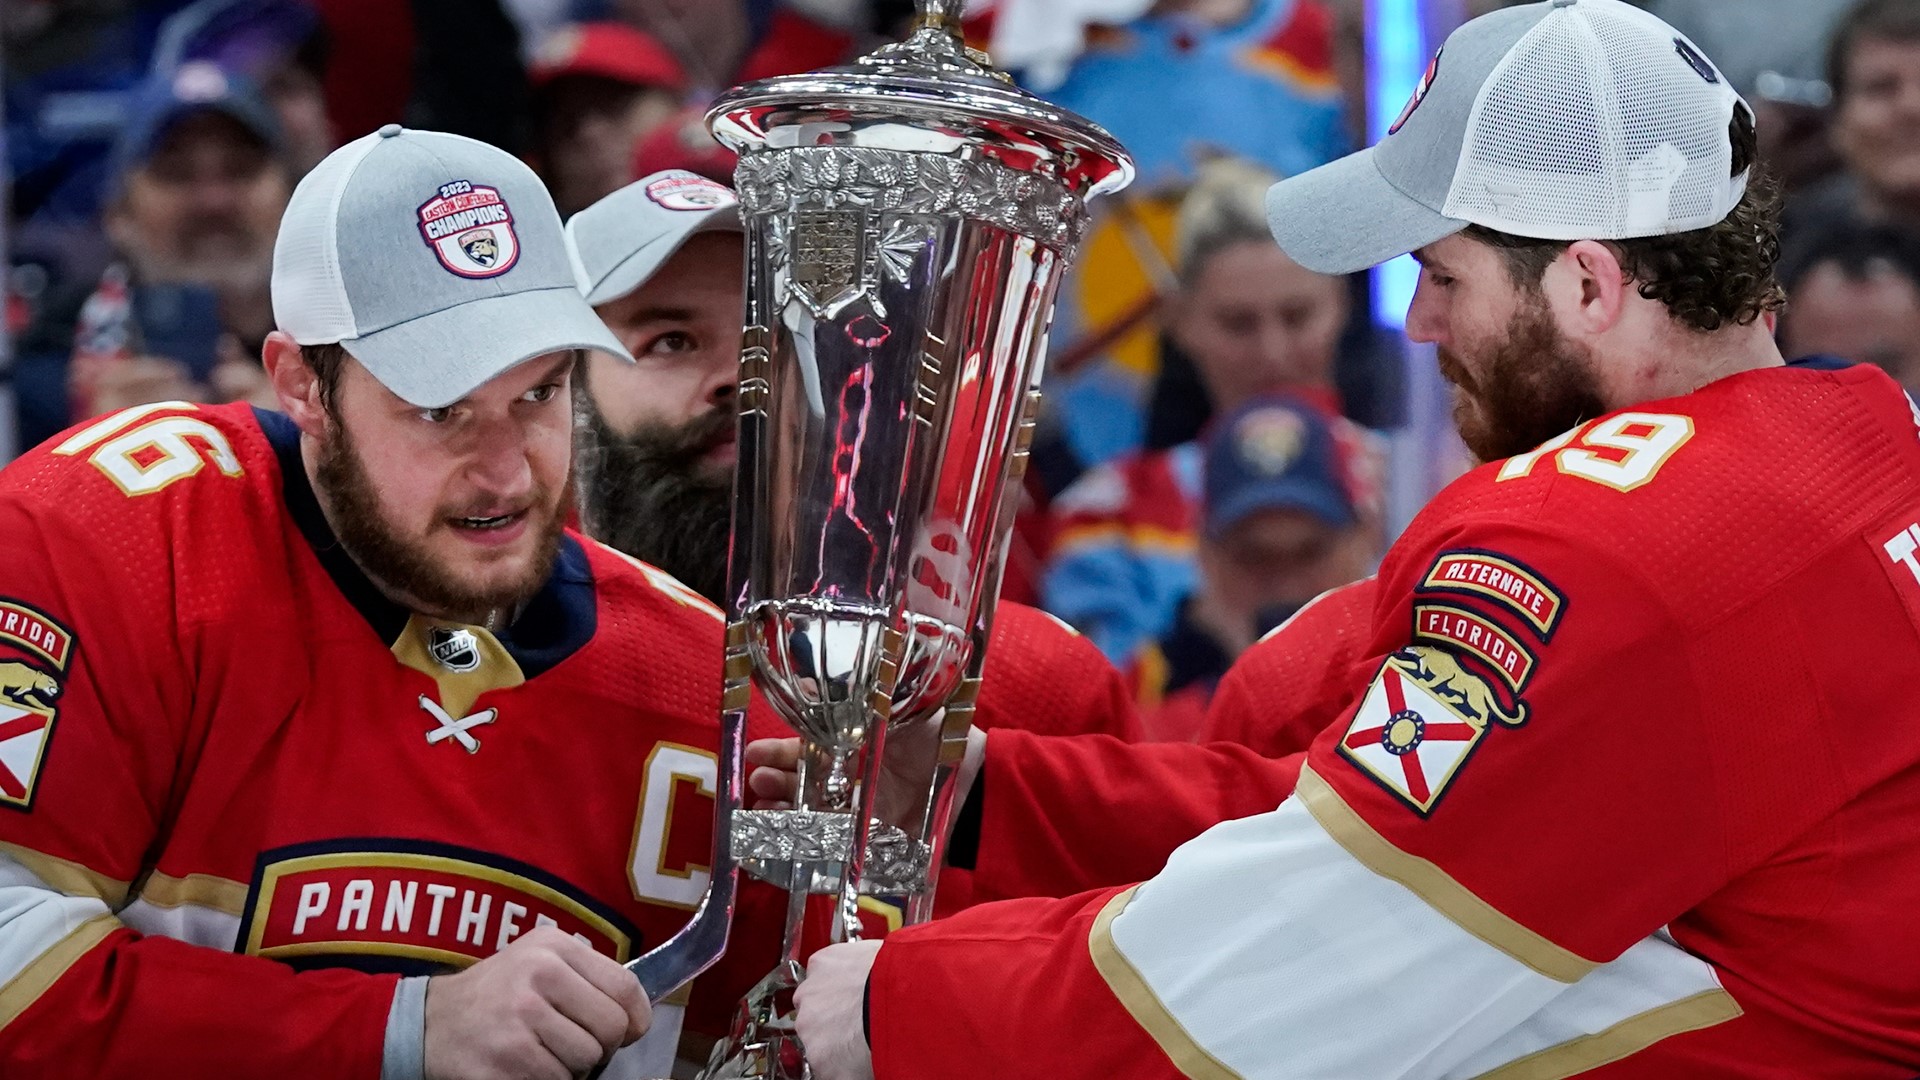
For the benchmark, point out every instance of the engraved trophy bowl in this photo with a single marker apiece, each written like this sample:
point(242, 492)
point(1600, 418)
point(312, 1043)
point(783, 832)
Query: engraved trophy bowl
point(908, 220)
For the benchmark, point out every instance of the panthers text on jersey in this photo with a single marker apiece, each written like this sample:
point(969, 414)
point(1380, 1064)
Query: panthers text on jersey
point(215, 734)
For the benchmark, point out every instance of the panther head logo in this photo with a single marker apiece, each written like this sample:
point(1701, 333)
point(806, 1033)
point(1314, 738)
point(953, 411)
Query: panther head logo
point(481, 246)
point(28, 687)
point(1440, 673)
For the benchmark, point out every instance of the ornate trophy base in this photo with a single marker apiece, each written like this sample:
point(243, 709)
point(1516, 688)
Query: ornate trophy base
point(762, 1044)
point(791, 848)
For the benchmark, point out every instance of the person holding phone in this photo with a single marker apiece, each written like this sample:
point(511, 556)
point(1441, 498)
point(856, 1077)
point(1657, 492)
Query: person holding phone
point(198, 181)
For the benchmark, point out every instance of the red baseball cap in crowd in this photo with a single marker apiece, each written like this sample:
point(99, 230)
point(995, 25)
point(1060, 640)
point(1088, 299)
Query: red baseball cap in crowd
point(611, 50)
point(682, 142)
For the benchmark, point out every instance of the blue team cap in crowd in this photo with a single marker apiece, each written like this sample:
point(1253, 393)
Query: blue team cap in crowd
point(1274, 453)
point(198, 86)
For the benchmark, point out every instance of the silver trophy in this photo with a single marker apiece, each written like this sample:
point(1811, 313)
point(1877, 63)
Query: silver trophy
point(909, 218)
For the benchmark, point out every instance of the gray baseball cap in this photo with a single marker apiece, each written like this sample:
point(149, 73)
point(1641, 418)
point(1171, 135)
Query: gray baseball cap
point(625, 238)
point(438, 261)
point(1564, 120)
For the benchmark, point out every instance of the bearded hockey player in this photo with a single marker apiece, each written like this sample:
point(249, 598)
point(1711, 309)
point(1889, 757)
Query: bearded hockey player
point(1628, 781)
point(656, 450)
point(299, 712)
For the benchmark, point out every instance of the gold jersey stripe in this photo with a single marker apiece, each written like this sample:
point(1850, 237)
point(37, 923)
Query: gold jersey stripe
point(45, 970)
point(1143, 1004)
point(203, 890)
point(1435, 886)
point(1628, 1037)
point(67, 876)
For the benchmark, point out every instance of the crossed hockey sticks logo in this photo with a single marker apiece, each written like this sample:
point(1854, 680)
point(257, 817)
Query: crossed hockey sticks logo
point(458, 730)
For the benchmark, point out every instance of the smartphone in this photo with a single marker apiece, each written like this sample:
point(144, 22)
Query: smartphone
point(180, 323)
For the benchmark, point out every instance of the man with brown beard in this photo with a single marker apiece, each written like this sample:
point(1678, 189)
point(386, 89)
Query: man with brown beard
point(1627, 780)
point(654, 473)
point(325, 751)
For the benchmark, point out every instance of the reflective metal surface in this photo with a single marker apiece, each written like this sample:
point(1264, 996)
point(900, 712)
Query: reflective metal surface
point(908, 220)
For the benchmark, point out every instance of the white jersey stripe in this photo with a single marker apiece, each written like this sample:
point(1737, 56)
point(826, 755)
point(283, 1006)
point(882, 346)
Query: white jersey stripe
point(42, 932)
point(1268, 950)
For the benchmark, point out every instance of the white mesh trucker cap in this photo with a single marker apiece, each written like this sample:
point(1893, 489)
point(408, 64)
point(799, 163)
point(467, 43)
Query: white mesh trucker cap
point(1565, 120)
point(625, 238)
point(437, 260)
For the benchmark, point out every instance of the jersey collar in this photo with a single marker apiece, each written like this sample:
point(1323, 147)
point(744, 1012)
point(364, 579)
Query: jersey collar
point(552, 626)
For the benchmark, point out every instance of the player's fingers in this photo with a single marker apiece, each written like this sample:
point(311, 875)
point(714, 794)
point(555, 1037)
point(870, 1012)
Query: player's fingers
point(773, 783)
point(774, 753)
point(589, 1010)
point(618, 985)
point(575, 1050)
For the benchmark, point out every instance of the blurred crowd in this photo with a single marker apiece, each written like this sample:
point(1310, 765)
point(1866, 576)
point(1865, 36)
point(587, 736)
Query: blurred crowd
point(1218, 440)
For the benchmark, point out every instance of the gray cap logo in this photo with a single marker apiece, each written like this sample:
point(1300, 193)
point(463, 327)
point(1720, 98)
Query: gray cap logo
point(684, 191)
point(470, 229)
point(1419, 90)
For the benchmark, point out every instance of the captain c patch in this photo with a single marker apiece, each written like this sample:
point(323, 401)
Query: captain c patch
point(34, 651)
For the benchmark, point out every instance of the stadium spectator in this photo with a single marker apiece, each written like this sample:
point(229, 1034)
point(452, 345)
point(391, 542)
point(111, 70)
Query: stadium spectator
point(1873, 68)
point(1279, 527)
point(200, 178)
point(1253, 321)
point(599, 89)
point(1855, 293)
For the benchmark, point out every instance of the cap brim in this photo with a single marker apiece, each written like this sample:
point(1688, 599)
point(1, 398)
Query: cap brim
point(1314, 499)
point(1344, 217)
point(631, 272)
point(435, 360)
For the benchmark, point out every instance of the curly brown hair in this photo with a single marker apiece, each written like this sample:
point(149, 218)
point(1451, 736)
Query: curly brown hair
point(1710, 278)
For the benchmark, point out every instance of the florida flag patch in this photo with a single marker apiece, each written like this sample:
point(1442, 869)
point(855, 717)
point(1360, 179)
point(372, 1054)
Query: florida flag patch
point(30, 688)
point(1420, 722)
point(470, 229)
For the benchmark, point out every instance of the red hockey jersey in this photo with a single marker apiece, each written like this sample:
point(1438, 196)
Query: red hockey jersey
point(215, 732)
point(1629, 786)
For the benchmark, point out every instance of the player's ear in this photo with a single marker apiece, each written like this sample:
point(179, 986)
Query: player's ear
point(294, 383)
point(1587, 287)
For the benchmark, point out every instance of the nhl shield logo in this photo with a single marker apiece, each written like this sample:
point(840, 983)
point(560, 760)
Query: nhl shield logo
point(454, 648)
point(470, 229)
point(688, 191)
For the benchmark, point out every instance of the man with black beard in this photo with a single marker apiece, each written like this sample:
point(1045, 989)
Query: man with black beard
point(654, 476)
point(1635, 710)
point(325, 750)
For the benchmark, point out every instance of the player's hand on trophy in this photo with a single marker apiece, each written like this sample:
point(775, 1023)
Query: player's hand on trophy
point(774, 779)
point(547, 1007)
point(830, 1009)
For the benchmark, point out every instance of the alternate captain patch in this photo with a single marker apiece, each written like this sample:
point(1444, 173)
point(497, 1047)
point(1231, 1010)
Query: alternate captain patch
point(1447, 624)
point(1502, 580)
point(470, 228)
point(1420, 722)
point(34, 651)
point(399, 906)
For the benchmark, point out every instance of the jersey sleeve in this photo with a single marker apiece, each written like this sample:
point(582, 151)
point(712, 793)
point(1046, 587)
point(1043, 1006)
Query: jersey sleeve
point(1061, 814)
point(1043, 676)
point(96, 734)
point(1476, 868)
point(1298, 679)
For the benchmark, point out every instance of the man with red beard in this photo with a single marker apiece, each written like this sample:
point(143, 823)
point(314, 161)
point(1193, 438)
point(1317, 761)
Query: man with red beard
point(1627, 780)
point(325, 751)
point(662, 258)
